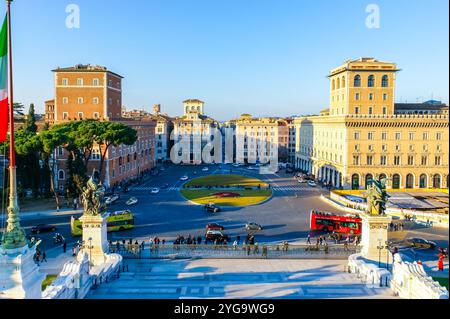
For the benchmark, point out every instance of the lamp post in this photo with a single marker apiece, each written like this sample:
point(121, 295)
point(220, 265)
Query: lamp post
point(380, 247)
point(90, 251)
point(387, 255)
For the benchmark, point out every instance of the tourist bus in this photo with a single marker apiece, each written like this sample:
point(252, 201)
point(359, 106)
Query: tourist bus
point(117, 221)
point(327, 222)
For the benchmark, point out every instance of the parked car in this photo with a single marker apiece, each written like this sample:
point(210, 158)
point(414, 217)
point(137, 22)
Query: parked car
point(111, 199)
point(184, 178)
point(312, 183)
point(132, 201)
point(43, 228)
point(216, 234)
point(154, 190)
point(212, 208)
point(416, 242)
point(301, 180)
point(214, 226)
point(253, 226)
point(205, 169)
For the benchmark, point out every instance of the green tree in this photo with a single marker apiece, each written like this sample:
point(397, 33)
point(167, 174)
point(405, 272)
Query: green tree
point(30, 123)
point(18, 109)
point(113, 134)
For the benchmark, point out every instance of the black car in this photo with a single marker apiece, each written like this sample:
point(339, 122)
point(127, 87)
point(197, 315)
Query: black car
point(415, 242)
point(43, 228)
point(212, 208)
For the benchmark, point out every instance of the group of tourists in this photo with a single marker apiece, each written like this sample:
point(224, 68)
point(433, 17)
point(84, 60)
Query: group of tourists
point(396, 226)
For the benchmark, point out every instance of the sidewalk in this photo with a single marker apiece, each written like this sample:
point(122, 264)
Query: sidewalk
point(56, 259)
point(44, 213)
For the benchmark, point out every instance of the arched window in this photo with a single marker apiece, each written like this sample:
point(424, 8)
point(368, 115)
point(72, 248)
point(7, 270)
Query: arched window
point(396, 181)
point(343, 82)
point(410, 181)
point(355, 181)
point(437, 181)
point(61, 175)
point(357, 81)
point(371, 81)
point(338, 84)
point(369, 179)
point(333, 84)
point(385, 81)
point(423, 181)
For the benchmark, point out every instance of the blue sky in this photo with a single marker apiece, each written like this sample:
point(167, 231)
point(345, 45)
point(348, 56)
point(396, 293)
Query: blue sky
point(263, 57)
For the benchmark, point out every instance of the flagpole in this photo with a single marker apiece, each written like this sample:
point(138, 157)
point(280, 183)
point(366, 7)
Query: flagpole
point(14, 235)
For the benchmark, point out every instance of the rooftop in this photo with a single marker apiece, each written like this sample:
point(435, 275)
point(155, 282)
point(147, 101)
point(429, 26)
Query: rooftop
point(85, 68)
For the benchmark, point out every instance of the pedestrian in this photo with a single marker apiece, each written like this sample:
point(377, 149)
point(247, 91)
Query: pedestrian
point(74, 251)
point(44, 257)
point(441, 263)
point(64, 246)
point(308, 240)
point(248, 250)
point(235, 244)
point(264, 251)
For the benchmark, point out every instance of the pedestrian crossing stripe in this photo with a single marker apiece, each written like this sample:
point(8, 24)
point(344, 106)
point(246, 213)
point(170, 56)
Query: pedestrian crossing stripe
point(148, 188)
point(289, 188)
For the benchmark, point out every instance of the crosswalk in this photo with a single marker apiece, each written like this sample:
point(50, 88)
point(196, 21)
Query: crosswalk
point(290, 188)
point(148, 188)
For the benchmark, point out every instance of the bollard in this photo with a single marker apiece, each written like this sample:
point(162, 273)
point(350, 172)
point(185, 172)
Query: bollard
point(381, 281)
point(387, 285)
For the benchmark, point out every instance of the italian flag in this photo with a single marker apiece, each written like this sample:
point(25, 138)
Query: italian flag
point(4, 81)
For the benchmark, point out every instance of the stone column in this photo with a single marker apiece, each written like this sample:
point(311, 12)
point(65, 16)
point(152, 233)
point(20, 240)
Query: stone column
point(374, 233)
point(94, 238)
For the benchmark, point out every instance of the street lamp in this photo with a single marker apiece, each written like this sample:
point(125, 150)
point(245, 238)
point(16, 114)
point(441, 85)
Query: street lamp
point(90, 251)
point(380, 247)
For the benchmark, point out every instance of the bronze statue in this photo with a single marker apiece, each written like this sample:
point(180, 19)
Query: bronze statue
point(91, 198)
point(377, 197)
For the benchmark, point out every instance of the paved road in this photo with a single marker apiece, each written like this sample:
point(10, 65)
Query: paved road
point(168, 214)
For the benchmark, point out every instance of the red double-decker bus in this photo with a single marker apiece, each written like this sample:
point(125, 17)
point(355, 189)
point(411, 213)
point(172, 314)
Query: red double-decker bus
point(327, 222)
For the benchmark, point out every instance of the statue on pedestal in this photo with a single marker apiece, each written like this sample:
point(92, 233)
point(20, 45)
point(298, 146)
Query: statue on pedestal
point(377, 198)
point(91, 198)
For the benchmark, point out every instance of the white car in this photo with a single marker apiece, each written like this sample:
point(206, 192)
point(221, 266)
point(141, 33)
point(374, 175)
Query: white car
point(312, 183)
point(154, 190)
point(111, 199)
point(132, 201)
point(205, 169)
point(184, 178)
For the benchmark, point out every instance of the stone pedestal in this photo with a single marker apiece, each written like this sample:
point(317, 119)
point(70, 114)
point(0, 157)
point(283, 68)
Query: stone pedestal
point(95, 239)
point(374, 233)
point(19, 275)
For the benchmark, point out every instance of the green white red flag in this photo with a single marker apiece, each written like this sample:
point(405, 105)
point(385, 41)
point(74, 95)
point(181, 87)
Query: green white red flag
point(4, 81)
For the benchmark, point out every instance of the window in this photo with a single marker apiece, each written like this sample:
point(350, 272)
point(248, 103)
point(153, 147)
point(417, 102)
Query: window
point(425, 148)
point(424, 160)
point(370, 136)
point(398, 136)
point(385, 96)
point(383, 160)
point(437, 160)
point(95, 100)
point(80, 115)
point(65, 100)
point(370, 147)
point(357, 110)
point(411, 136)
point(438, 147)
point(356, 136)
point(384, 136)
point(96, 115)
point(425, 136)
point(80, 100)
point(385, 81)
point(370, 110)
point(410, 160)
point(384, 148)
point(371, 81)
point(355, 160)
point(370, 96)
point(65, 81)
point(65, 115)
point(79, 82)
point(357, 96)
point(397, 160)
point(357, 81)
point(95, 82)
point(397, 147)
point(439, 136)
point(411, 147)
point(343, 82)
point(61, 175)
point(369, 160)
point(333, 84)
point(384, 110)
point(356, 147)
